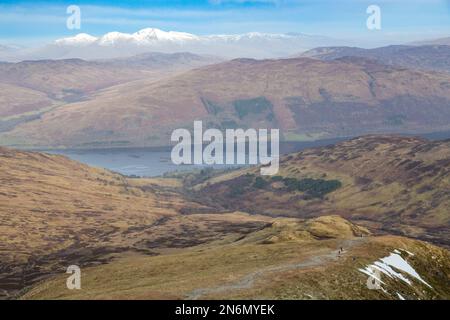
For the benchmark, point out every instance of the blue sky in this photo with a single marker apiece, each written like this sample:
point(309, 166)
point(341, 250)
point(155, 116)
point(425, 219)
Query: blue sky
point(34, 22)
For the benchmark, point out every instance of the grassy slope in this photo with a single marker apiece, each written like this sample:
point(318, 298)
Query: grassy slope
point(128, 235)
point(392, 183)
point(300, 92)
point(47, 193)
point(54, 211)
point(290, 259)
point(30, 90)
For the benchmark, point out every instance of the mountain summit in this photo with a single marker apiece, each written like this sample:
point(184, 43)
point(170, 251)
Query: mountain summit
point(142, 37)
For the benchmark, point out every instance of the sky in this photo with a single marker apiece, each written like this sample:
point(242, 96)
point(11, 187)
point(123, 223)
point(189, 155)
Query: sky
point(35, 22)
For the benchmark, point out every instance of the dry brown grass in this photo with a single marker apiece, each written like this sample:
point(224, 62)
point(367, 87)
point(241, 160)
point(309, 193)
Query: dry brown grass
point(142, 112)
point(133, 242)
point(393, 183)
point(55, 211)
point(287, 269)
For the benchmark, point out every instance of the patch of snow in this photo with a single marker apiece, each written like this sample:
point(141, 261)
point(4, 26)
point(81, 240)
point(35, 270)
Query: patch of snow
point(250, 45)
point(153, 34)
point(396, 261)
point(112, 38)
point(388, 266)
point(80, 39)
point(370, 271)
point(400, 296)
point(404, 250)
point(391, 273)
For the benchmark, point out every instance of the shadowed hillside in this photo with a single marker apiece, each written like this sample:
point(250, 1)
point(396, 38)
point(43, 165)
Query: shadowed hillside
point(55, 211)
point(389, 183)
point(323, 258)
point(154, 238)
point(30, 89)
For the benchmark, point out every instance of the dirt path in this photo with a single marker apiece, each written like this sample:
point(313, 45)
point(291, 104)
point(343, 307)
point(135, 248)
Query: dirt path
point(249, 280)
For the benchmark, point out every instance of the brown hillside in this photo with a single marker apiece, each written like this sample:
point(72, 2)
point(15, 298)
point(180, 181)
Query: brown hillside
point(55, 211)
point(30, 89)
point(306, 98)
point(389, 183)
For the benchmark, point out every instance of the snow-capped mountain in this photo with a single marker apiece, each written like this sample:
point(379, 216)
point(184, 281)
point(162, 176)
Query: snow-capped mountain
point(118, 44)
point(113, 38)
point(150, 35)
point(81, 39)
point(146, 36)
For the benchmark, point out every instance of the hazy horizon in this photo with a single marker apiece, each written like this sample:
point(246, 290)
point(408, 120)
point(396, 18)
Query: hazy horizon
point(33, 24)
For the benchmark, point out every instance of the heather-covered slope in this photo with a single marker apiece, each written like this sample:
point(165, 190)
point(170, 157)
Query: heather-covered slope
point(322, 258)
point(305, 98)
point(396, 184)
point(55, 212)
point(30, 89)
point(154, 239)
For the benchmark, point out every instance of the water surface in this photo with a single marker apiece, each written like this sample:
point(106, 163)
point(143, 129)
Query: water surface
point(151, 162)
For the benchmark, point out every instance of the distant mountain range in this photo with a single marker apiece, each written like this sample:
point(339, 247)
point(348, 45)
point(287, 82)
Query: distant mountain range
point(327, 92)
point(439, 41)
point(117, 44)
point(254, 45)
point(427, 57)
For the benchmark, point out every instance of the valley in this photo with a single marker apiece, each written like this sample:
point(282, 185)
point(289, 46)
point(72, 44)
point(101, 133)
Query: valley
point(54, 210)
point(359, 208)
point(186, 237)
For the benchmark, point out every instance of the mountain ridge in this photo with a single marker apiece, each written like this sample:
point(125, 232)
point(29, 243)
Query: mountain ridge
point(426, 57)
point(33, 87)
point(118, 45)
point(305, 98)
point(387, 182)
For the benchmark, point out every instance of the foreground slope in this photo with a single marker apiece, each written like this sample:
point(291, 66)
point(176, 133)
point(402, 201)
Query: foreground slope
point(323, 258)
point(390, 183)
point(305, 98)
point(148, 238)
point(55, 212)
